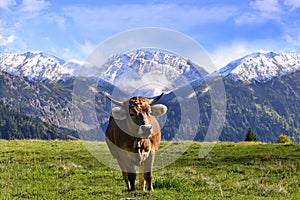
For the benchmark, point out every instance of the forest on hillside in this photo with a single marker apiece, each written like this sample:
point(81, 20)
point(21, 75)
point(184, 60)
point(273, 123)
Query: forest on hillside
point(14, 125)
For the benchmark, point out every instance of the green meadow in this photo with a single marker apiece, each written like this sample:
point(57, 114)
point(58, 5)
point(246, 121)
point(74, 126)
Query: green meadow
point(33, 169)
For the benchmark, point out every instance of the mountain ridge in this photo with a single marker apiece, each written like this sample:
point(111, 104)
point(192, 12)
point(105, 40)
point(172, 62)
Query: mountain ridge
point(270, 107)
point(260, 67)
point(38, 66)
point(255, 67)
point(150, 73)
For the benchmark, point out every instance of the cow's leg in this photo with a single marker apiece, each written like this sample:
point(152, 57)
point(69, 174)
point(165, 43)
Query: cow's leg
point(148, 178)
point(131, 178)
point(125, 178)
point(128, 172)
point(125, 174)
point(141, 178)
point(148, 164)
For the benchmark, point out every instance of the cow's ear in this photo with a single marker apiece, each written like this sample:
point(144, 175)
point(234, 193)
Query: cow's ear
point(118, 113)
point(159, 109)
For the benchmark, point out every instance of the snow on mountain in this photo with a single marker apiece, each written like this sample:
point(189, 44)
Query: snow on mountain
point(260, 67)
point(37, 66)
point(151, 70)
point(146, 70)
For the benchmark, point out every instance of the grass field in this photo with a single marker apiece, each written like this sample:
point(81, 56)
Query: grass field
point(66, 170)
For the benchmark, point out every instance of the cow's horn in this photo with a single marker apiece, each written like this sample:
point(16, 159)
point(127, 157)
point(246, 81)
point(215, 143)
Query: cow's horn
point(156, 99)
point(118, 103)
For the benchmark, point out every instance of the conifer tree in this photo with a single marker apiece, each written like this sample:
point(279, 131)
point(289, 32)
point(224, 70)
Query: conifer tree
point(250, 135)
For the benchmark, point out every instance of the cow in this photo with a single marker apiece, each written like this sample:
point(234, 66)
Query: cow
point(133, 136)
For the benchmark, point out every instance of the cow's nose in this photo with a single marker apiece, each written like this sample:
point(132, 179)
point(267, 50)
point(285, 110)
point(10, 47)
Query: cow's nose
point(146, 127)
point(145, 130)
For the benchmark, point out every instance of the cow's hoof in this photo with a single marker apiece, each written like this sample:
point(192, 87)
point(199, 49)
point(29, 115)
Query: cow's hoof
point(131, 190)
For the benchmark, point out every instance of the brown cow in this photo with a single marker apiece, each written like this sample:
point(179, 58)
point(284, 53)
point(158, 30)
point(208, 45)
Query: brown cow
point(133, 136)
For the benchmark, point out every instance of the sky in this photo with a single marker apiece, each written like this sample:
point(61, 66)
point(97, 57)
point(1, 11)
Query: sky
point(226, 29)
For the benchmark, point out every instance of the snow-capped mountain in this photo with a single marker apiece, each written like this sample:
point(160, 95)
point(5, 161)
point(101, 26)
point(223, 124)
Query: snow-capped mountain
point(144, 62)
point(260, 67)
point(150, 70)
point(37, 66)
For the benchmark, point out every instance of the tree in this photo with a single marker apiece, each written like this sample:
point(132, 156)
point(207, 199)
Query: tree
point(284, 139)
point(250, 135)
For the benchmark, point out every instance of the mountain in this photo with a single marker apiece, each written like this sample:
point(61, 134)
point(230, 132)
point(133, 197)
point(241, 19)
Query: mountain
point(262, 92)
point(37, 66)
point(138, 65)
point(148, 70)
point(160, 70)
point(270, 108)
point(260, 67)
point(144, 62)
point(16, 125)
point(49, 101)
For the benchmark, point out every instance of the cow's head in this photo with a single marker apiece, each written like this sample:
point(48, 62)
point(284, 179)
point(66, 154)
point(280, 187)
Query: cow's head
point(138, 113)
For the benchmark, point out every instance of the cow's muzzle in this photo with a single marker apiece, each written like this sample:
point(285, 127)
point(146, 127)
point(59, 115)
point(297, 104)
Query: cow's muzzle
point(145, 131)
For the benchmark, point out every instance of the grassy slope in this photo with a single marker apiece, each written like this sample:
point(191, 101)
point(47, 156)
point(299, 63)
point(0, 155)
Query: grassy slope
point(66, 170)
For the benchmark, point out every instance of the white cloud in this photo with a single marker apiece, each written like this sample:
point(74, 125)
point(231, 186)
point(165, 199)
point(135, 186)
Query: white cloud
point(237, 49)
point(248, 18)
point(5, 4)
point(293, 3)
point(268, 6)
point(135, 84)
point(130, 16)
point(5, 41)
point(77, 53)
point(34, 5)
point(293, 40)
point(57, 19)
point(261, 11)
point(86, 48)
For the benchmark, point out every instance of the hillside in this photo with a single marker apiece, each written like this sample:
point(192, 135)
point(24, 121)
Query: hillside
point(269, 103)
point(15, 125)
point(269, 109)
point(49, 101)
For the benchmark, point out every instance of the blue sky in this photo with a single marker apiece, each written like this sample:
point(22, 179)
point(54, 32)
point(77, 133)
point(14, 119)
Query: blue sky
point(226, 29)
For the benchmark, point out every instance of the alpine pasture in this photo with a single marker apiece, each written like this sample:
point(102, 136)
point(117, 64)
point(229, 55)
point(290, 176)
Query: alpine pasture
point(34, 169)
